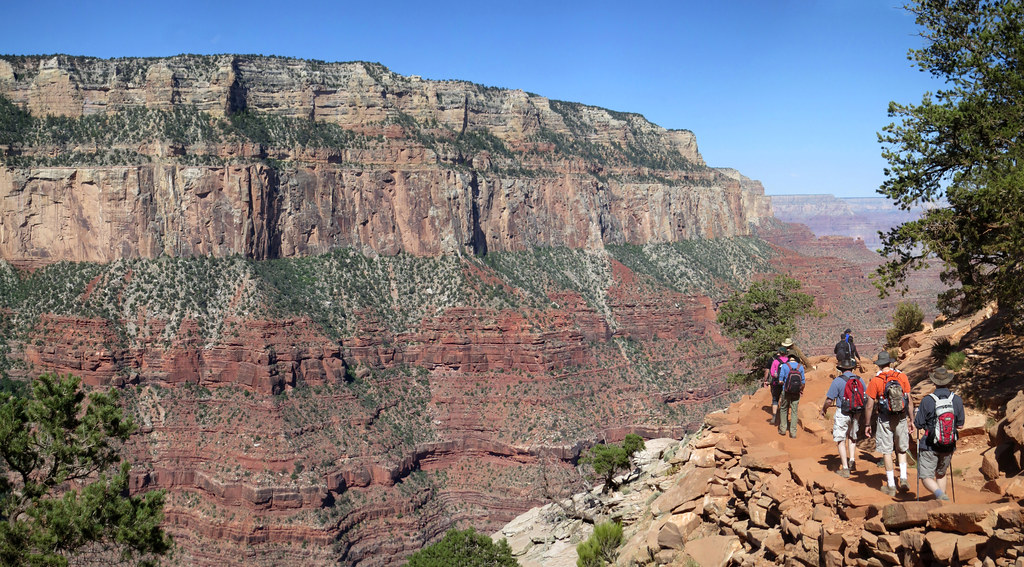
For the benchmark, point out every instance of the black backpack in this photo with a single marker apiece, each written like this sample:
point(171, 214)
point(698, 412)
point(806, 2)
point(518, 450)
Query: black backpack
point(843, 350)
point(792, 374)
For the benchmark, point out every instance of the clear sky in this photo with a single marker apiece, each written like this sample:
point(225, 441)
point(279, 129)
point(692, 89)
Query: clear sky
point(790, 92)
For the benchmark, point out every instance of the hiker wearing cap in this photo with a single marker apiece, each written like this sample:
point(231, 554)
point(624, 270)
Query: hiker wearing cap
point(846, 393)
point(938, 418)
point(846, 348)
point(771, 380)
point(889, 394)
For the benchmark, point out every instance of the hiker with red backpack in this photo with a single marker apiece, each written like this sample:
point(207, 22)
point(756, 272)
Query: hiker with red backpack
point(889, 394)
point(847, 394)
point(791, 374)
point(938, 418)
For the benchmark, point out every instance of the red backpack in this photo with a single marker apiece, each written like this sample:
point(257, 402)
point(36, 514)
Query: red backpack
point(853, 396)
point(942, 432)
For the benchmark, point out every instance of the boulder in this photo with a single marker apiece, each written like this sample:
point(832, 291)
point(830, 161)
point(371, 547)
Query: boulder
point(692, 486)
point(964, 518)
point(713, 551)
point(765, 458)
point(945, 545)
point(676, 529)
point(901, 515)
point(703, 457)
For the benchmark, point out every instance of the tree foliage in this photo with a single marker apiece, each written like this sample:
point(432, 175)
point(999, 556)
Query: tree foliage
point(962, 144)
point(762, 317)
point(601, 548)
point(607, 460)
point(62, 493)
point(464, 548)
point(908, 318)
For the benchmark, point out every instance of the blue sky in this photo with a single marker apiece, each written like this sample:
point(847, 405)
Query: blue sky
point(790, 92)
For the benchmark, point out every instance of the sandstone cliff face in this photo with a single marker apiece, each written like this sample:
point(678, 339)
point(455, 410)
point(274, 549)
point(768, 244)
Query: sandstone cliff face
point(541, 173)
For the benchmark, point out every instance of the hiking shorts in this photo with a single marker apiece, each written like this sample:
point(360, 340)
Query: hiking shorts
point(845, 426)
point(931, 464)
point(891, 433)
point(776, 393)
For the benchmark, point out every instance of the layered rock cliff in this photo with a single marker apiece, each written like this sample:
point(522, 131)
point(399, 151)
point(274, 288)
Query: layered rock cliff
point(270, 157)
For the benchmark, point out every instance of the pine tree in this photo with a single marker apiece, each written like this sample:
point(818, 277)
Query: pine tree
point(963, 145)
point(62, 493)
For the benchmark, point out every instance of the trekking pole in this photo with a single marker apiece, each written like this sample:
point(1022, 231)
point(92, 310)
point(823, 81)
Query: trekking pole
point(952, 487)
point(917, 461)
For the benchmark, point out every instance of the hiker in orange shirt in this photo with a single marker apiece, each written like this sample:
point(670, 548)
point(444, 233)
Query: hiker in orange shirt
point(890, 388)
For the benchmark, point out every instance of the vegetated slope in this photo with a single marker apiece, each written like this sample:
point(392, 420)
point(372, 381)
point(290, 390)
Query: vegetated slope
point(270, 157)
point(350, 408)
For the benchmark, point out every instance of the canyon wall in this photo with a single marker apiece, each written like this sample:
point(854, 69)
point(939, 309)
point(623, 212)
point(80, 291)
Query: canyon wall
point(415, 166)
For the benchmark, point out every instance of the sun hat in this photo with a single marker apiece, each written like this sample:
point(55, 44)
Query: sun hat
point(847, 364)
point(883, 358)
point(788, 342)
point(941, 376)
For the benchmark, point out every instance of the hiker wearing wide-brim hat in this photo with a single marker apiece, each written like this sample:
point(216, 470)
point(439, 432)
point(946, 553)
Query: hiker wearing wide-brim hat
point(846, 393)
point(941, 377)
point(794, 351)
point(889, 419)
point(938, 418)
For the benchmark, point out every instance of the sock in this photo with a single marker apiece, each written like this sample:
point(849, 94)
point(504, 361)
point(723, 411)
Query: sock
point(903, 471)
point(939, 493)
point(889, 477)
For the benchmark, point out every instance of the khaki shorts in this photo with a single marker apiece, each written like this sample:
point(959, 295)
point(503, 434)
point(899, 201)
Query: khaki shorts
point(890, 432)
point(931, 464)
point(845, 426)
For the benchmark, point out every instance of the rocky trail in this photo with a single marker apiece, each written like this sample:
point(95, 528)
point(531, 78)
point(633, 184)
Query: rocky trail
point(739, 493)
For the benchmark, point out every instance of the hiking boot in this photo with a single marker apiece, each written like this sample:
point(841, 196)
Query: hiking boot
point(845, 473)
point(792, 434)
point(888, 490)
point(853, 466)
point(904, 486)
point(943, 497)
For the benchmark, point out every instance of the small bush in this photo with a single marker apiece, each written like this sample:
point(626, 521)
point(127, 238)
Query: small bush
point(601, 548)
point(955, 361)
point(907, 319)
point(943, 347)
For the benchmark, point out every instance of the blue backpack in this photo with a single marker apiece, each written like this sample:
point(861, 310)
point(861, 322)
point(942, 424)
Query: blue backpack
point(791, 375)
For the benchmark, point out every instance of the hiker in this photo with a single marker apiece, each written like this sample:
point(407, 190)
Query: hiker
point(889, 394)
point(845, 348)
point(846, 393)
point(938, 418)
point(791, 375)
point(771, 379)
point(794, 351)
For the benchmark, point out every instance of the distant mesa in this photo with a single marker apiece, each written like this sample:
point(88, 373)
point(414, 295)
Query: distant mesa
point(856, 217)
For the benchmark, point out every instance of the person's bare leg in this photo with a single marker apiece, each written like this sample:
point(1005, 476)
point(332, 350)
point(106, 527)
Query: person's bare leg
point(842, 454)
